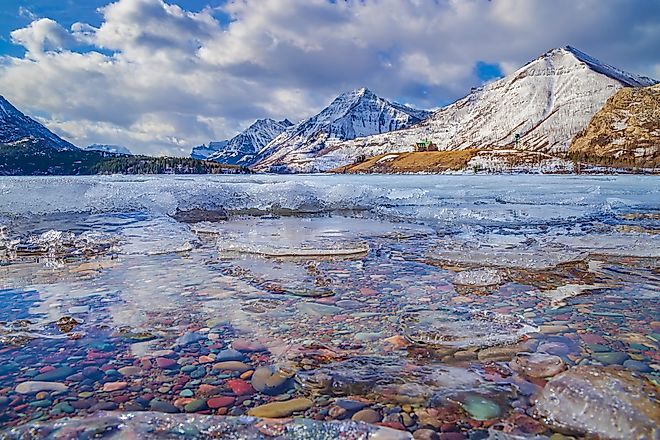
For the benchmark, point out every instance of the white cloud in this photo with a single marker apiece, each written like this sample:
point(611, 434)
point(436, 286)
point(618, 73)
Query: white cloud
point(159, 78)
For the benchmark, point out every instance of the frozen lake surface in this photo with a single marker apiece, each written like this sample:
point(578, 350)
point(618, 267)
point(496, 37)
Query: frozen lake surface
point(468, 305)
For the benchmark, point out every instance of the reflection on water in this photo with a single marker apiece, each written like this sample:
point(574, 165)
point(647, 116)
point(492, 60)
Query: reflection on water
point(424, 306)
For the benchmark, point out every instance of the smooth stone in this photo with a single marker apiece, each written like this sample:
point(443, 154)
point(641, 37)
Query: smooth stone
point(318, 309)
point(166, 363)
point(637, 366)
point(245, 346)
point(114, 386)
point(186, 393)
point(497, 354)
point(425, 434)
point(195, 405)
point(350, 405)
point(598, 348)
point(231, 366)
point(55, 375)
point(276, 410)
point(130, 371)
point(45, 403)
point(189, 338)
point(481, 408)
point(162, 406)
point(538, 365)
point(557, 328)
point(269, 381)
point(602, 402)
point(33, 387)
point(610, 358)
point(229, 355)
point(220, 402)
point(367, 415)
point(63, 408)
point(240, 387)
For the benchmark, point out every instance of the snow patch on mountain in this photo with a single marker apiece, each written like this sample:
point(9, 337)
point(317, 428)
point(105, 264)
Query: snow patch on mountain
point(106, 148)
point(354, 114)
point(17, 128)
point(242, 148)
point(540, 107)
point(202, 152)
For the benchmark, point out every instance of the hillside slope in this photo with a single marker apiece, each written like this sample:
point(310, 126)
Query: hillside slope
point(626, 131)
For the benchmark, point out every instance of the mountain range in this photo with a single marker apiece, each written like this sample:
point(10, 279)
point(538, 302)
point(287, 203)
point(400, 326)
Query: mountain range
point(243, 148)
point(540, 107)
point(543, 107)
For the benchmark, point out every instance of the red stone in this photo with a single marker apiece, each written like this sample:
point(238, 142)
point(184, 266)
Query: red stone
point(220, 402)
point(393, 425)
point(240, 387)
point(591, 338)
point(165, 363)
point(46, 369)
point(208, 390)
point(121, 399)
point(452, 436)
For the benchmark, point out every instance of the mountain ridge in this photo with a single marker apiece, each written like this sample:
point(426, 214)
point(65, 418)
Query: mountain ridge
point(352, 114)
point(18, 128)
point(539, 107)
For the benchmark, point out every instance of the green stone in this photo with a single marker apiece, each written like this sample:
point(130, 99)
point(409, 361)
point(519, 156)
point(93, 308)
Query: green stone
point(186, 393)
point(481, 408)
point(195, 405)
point(611, 358)
point(598, 348)
point(62, 407)
point(41, 403)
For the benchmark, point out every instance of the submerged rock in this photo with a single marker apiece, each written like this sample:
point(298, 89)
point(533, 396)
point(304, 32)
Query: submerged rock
point(538, 364)
point(151, 425)
point(610, 403)
point(33, 387)
point(281, 409)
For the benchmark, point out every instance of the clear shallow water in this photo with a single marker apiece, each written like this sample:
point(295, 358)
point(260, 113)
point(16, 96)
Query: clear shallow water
point(404, 299)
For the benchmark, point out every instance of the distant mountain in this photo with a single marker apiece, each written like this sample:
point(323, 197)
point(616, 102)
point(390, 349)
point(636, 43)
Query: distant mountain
point(354, 114)
point(104, 148)
point(626, 131)
point(202, 152)
point(540, 107)
point(243, 148)
point(17, 128)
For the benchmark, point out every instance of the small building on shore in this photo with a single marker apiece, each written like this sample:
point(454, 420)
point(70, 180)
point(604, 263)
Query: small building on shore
point(425, 145)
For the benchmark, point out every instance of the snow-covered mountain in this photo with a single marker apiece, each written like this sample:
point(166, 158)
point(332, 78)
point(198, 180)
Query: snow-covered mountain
point(112, 149)
point(540, 107)
point(358, 113)
point(203, 151)
point(16, 128)
point(242, 149)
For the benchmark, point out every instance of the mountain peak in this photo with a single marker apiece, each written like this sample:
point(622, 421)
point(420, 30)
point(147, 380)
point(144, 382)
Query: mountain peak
point(16, 127)
point(577, 56)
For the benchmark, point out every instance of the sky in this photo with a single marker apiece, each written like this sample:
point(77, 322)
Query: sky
point(160, 77)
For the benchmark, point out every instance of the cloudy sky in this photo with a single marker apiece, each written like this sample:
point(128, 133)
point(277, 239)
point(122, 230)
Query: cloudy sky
point(162, 76)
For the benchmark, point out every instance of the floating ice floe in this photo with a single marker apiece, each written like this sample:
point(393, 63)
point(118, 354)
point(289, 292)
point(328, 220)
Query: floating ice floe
point(478, 277)
point(462, 328)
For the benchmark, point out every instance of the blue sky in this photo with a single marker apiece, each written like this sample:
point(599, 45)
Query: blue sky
point(160, 76)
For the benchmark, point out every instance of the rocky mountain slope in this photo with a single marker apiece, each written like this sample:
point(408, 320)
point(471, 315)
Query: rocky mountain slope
point(626, 131)
point(242, 148)
point(17, 128)
point(354, 114)
point(540, 107)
